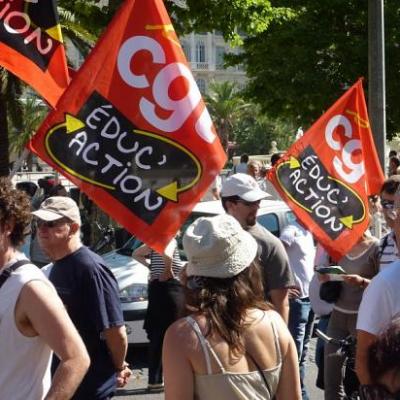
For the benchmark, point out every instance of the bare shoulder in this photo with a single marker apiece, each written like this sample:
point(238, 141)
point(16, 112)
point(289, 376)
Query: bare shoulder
point(38, 296)
point(39, 289)
point(271, 317)
point(181, 333)
point(38, 301)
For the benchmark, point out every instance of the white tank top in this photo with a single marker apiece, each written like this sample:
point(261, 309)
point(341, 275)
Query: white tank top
point(24, 361)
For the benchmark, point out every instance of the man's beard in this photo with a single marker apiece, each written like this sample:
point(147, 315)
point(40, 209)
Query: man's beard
point(251, 220)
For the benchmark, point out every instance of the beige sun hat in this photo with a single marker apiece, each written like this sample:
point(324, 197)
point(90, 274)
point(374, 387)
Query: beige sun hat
point(218, 247)
point(57, 207)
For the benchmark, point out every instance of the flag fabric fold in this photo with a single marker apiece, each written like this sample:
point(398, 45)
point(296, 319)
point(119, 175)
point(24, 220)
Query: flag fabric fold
point(31, 46)
point(327, 175)
point(132, 130)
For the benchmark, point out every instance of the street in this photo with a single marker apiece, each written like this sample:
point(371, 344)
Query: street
point(137, 387)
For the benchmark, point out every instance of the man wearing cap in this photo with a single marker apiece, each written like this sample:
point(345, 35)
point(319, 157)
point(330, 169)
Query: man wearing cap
point(241, 196)
point(90, 294)
point(34, 321)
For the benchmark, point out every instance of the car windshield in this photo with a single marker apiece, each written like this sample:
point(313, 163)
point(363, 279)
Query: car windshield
point(132, 244)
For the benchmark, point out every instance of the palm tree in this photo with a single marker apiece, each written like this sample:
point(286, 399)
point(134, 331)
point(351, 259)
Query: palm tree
point(10, 89)
point(226, 107)
point(18, 120)
point(33, 112)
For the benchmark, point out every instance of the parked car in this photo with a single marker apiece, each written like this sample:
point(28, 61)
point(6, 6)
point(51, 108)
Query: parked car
point(132, 276)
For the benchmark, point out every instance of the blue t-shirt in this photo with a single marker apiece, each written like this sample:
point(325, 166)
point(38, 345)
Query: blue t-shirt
point(90, 294)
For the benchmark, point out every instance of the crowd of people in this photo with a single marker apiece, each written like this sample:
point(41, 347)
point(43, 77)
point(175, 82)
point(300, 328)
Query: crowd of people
point(234, 322)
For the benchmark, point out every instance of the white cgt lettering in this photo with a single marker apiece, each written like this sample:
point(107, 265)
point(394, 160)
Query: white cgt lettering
point(356, 169)
point(180, 109)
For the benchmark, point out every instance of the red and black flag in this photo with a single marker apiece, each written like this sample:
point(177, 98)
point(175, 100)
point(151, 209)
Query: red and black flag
point(327, 175)
point(132, 130)
point(31, 46)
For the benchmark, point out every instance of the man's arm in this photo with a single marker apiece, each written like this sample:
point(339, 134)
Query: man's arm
point(280, 299)
point(364, 341)
point(374, 314)
point(40, 312)
point(117, 343)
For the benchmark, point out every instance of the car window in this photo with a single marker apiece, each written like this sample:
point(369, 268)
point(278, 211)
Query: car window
point(132, 244)
point(270, 222)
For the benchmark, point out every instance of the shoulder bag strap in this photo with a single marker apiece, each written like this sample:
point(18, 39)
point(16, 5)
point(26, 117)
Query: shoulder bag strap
point(8, 271)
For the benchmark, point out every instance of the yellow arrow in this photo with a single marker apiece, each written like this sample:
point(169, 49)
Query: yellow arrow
point(294, 163)
point(73, 124)
point(347, 221)
point(169, 191)
point(55, 33)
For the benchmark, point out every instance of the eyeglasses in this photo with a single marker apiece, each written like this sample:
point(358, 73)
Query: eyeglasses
point(387, 204)
point(249, 203)
point(49, 224)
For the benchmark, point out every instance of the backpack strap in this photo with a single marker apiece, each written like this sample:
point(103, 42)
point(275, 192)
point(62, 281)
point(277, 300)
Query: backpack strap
point(8, 271)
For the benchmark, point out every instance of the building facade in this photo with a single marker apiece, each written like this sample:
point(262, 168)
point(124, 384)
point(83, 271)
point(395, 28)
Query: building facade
point(205, 54)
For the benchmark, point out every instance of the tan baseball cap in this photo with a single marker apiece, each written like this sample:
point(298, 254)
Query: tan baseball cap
point(57, 207)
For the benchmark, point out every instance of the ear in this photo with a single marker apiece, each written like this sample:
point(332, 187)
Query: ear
point(9, 226)
point(74, 228)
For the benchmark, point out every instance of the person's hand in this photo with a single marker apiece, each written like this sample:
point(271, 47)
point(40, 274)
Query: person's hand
point(323, 277)
point(355, 280)
point(166, 275)
point(123, 376)
point(294, 292)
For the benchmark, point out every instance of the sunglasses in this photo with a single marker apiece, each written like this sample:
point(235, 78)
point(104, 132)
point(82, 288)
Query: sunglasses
point(49, 224)
point(249, 203)
point(387, 204)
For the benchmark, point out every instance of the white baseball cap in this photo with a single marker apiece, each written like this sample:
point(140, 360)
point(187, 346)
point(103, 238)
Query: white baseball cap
point(244, 186)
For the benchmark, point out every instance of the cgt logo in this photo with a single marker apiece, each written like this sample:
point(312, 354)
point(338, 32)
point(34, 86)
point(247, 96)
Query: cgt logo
point(178, 110)
point(31, 28)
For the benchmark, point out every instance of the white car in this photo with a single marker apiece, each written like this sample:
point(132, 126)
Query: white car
point(132, 276)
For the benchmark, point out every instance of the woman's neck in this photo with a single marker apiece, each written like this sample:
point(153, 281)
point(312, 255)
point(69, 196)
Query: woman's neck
point(7, 256)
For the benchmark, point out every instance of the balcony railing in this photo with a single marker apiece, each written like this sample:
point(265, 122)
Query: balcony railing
point(206, 66)
point(200, 65)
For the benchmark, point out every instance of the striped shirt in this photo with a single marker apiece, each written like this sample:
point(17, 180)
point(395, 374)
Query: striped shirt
point(388, 250)
point(157, 264)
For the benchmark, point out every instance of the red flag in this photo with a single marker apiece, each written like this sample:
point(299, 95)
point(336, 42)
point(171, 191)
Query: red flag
point(328, 174)
point(31, 46)
point(132, 130)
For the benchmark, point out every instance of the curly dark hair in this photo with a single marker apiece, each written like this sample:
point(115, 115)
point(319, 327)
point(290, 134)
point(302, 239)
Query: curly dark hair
point(225, 302)
point(384, 353)
point(15, 208)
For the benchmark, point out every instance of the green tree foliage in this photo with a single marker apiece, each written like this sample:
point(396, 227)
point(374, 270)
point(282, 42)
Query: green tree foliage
point(237, 120)
point(226, 107)
point(299, 67)
point(10, 89)
point(256, 131)
point(33, 112)
point(230, 17)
